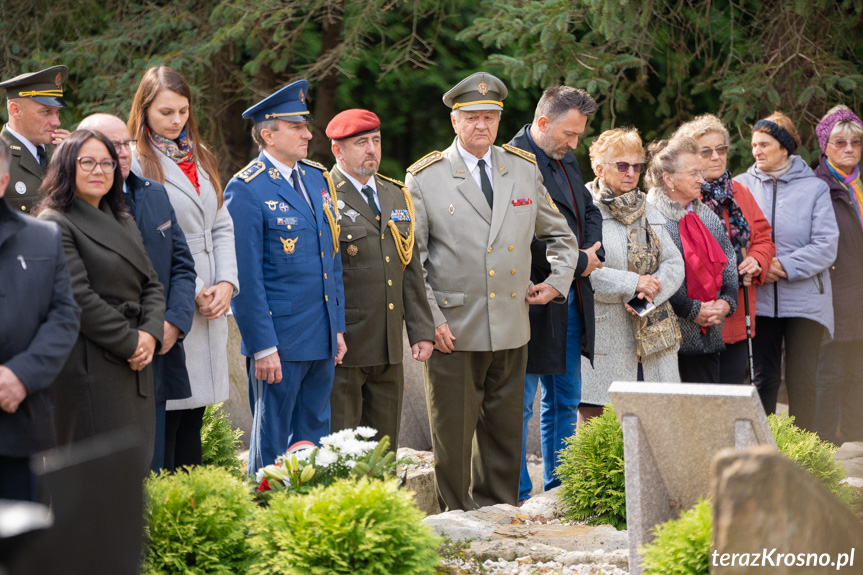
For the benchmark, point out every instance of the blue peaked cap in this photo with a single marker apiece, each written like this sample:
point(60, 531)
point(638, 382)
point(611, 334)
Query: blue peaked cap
point(289, 104)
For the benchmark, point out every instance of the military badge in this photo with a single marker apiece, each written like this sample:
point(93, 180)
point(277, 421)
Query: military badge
point(551, 202)
point(288, 245)
point(58, 81)
point(352, 250)
point(459, 171)
point(21, 187)
point(302, 96)
point(400, 216)
point(272, 205)
point(341, 204)
point(342, 183)
point(274, 174)
point(283, 206)
point(482, 88)
point(522, 202)
point(325, 195)
point(352, 214)
point(451, 209)
point(502, 168)
point(286, 221)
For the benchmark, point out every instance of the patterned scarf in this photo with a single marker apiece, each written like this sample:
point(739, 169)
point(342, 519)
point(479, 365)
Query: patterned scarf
point(850, 182)
point(179, 151)
point(718, 195)
point(658, 330)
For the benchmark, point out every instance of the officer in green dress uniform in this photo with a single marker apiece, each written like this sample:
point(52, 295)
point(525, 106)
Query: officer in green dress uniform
point(384, 287)
point(33, 103)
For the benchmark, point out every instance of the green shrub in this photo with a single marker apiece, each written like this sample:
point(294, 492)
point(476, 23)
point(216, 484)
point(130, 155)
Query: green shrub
point(591, 473)
point(681, 546)
point(814, 455)
point(197, 523)
point(220, 442)
point(351, 527)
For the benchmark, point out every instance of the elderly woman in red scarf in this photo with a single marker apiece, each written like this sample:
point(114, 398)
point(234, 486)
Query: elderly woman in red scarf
point(709, 291)
point(840, 369)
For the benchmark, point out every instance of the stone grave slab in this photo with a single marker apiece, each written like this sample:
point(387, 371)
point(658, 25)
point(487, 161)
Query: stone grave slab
point(671, 431)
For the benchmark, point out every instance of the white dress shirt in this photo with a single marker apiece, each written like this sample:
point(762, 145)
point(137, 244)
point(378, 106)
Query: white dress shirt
point(359, 187)
point(473, 164)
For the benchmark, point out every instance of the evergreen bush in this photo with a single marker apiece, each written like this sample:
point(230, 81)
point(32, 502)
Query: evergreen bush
point(220, 442)
point(357, 527)
point(591, 473)
point(197, 523)
point(681, 546)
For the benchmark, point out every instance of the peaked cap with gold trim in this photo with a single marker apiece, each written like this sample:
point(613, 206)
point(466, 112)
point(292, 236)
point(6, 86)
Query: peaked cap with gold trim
point(45, 86)
point(288, 103)
point(480, 91)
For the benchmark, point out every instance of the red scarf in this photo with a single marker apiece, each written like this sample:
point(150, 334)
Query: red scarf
point(188, 167)
point(703, 258)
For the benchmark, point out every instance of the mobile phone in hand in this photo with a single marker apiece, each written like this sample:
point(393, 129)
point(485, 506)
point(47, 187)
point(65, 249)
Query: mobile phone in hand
point(641, 306)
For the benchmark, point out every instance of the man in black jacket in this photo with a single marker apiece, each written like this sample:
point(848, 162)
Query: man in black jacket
point(39, 322)
point(174, 265)
point(560, 333)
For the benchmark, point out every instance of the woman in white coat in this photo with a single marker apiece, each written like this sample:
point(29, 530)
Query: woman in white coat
point(169, 150)
point(641, 261)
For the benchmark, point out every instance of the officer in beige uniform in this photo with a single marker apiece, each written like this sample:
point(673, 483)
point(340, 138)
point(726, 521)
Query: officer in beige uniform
point(33, 106)
point(383, 281)
point(478, 207)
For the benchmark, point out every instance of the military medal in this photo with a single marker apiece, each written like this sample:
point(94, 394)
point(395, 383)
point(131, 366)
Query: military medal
point(272, 205)
point(21, 187)
point(352, 214)
point(274, 173)
point(451, 209)
point(288, 245)
point(352, 250)
point(400, 216)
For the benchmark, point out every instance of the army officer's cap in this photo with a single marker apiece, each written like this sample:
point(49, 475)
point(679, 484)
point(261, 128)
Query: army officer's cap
point(287, 104)
point(352, 123)
point(45, 86)
point(480, 91)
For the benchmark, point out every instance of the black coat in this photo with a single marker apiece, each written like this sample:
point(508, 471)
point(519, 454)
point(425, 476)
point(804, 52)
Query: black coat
point(169, 253)
point(546, 351)
point(39, 322)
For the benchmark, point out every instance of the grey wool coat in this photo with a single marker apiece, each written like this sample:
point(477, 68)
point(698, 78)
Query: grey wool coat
point(615, 356)
point(209, 232)
point(116, 287)
point(693, 341)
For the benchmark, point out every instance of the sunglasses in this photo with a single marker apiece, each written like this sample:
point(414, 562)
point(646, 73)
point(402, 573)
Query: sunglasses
point(707, 153)
point(623, 167)
point(841, 144)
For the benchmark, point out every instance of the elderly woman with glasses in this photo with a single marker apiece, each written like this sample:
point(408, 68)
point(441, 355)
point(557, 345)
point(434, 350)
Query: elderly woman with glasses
point(840, 368)
point(747, 229)
point(795, 303)
point(107, 382)
point(641, 262)
point(709, 291)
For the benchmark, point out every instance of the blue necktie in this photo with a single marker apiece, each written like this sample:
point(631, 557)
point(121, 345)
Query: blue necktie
point(295, 181)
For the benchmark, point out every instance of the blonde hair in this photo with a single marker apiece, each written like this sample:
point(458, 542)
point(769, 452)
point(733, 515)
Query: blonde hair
point(665, 159)
point(616, 142)
point(783, 122)
point(839, 127)
point(703, 125)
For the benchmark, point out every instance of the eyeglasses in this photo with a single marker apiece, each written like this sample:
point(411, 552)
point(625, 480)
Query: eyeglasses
point(89, 164)
point(623, 167)
point(707, 153)
point(856, 144)
point(694, 174)
point(127, 144)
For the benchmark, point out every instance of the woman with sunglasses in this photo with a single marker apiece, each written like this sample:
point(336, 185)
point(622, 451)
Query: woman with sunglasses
point(708, 293)
point(795, 303)
point(107, 382)
point(840, 368)
point(640, 261)
point(747, 229)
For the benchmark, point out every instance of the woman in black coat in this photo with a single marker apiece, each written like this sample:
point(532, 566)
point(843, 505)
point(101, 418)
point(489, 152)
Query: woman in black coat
point(107, 382)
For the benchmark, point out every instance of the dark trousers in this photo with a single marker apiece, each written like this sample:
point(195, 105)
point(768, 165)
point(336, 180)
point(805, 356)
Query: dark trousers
point(183, 438)
point(840, 391)
point(699, 368)
point(475, 402)
point(368, 396)
point(802, 338)
point(159, 447)
point(734, 363)
point(16, 480)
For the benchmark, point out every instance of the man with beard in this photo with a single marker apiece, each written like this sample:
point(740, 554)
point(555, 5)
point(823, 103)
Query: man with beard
point(384, 287)
point(560, 333)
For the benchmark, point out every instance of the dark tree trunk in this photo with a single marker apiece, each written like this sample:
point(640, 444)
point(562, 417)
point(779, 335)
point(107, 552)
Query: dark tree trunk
point(325, 92)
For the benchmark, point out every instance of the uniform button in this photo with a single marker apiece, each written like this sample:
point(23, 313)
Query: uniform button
point(388, 259)
point(389, 282)
point(326, 298)
point(513, 295)
point(23, 209)
point(382, 236)
point(513, 272)
point(491, 273)
point(350, 237)
point(325, 276)
point(511, 248)
point(271, 313)
point(322, 254)
point(489, 250)
point(320, 233)
point(445, 302)
point(289, 227)
point(491, 295)
point(392, 306)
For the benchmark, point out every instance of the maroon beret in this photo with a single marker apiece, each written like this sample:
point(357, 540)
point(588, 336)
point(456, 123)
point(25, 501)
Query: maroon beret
point(352, 123)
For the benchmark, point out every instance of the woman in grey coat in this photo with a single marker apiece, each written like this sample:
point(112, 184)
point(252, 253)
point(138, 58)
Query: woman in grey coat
point(640, 260)
point(708, 293)
point(169, 150)
point(795, 304)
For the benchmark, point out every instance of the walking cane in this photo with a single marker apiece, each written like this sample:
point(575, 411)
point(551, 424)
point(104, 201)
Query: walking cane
point(748, 324)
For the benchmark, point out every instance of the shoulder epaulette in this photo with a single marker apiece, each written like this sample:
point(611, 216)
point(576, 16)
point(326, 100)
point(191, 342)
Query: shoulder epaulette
point(519, 152)
point(251, 171)
point(321, 167)
point(425, 162)
point(393, 180)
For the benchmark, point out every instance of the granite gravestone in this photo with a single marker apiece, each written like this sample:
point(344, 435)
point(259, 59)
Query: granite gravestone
point(671, 431)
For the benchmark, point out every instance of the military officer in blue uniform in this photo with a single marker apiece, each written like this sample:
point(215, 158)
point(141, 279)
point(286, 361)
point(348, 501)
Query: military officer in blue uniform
point(290, 309)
